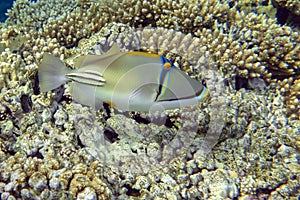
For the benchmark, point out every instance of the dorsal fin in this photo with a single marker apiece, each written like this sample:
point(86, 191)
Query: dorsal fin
point(138, 53)
point(83, 61)
point(114, 49)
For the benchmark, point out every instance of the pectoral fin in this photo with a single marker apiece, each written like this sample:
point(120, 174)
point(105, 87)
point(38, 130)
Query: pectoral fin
point(145, 93)
point(139, 99)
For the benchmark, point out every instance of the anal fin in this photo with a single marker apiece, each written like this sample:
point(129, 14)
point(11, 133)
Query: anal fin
point(85, 94)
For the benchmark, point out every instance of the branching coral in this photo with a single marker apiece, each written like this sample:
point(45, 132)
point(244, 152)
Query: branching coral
point(293, 97)
point(11, 68)
point(31, 14)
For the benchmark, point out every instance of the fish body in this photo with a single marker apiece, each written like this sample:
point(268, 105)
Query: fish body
point(131, 81)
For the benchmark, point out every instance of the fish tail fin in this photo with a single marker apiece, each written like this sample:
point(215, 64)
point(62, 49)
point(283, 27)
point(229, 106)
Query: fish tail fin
point(52, 73)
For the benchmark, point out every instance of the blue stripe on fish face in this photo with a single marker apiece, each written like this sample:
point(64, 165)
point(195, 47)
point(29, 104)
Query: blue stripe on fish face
point(166, 85)
point(165, 60)
point(167, 67)
point(165, 74)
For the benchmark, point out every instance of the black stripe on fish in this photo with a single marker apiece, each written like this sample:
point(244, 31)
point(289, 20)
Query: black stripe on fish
point(164, 72)
point(158, 92)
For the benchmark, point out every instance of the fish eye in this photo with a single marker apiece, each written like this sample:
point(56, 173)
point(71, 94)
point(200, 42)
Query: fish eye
point(167, 66)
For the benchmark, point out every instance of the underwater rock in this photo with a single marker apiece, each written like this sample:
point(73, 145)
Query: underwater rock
point(87, 194)
point(142, 182)
point(54, 183)
point(221, 187)
point(38, 182)
point(60, 117)
point(6, 196)
point(27, 194)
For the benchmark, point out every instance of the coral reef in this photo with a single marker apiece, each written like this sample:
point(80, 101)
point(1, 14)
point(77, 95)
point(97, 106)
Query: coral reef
point(29, 14)
point(242, 142)
point(260, 45)
point(11, 67)
point(50, 176)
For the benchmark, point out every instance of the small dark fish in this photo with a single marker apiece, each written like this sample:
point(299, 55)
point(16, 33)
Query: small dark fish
point(26, 103)
point(110, 135)
point(35, 84)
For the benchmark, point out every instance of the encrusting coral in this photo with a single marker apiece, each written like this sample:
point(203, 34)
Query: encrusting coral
point(50, 177)
point(245, 47)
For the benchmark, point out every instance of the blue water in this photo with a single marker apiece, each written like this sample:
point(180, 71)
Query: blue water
point(4, 5)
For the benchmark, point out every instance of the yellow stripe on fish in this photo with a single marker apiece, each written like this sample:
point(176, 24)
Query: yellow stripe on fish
point(138, 53)
point(130, 81)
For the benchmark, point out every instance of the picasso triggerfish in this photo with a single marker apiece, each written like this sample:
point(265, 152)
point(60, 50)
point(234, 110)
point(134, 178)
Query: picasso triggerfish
point(129, 81)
